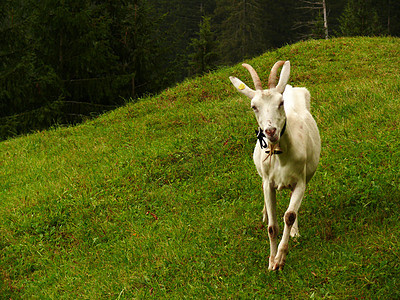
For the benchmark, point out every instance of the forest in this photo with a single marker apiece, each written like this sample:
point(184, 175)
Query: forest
point(63, 61)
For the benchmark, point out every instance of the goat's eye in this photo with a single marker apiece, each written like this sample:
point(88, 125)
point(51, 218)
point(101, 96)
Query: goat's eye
point(254, 107)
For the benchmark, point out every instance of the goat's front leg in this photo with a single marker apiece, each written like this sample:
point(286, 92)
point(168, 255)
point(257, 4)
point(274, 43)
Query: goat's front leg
point(273, 229)
point(290, 219)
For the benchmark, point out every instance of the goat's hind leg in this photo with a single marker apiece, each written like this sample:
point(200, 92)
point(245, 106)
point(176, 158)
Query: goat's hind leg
point(264, 213)
point(294, 231)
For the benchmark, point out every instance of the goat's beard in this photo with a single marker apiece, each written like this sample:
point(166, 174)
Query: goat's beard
point(273, 140)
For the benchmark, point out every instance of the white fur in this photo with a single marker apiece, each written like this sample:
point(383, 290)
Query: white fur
point(295, 166)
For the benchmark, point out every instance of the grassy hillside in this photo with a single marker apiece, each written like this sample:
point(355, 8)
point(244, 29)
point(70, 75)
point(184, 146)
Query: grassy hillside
point(161, 198)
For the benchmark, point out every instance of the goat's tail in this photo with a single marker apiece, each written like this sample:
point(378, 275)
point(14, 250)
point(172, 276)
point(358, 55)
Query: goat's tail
point(307, 99)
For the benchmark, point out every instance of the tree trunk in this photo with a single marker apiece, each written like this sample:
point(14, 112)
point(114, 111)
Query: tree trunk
point(325, 19)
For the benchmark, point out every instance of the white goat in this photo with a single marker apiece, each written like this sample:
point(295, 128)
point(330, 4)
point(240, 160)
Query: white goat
point(292, 155)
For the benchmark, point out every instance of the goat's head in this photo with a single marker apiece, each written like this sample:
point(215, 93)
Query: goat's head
point(267, 104)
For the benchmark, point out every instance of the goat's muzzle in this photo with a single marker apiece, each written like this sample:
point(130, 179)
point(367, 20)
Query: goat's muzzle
point(271, 134)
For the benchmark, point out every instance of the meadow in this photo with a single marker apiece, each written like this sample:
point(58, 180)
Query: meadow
point(161, 199)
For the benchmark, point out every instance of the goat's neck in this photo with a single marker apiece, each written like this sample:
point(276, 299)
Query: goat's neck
point(286, 141)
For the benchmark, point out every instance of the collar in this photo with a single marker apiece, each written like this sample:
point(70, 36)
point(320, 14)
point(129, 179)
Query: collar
point(283, 129)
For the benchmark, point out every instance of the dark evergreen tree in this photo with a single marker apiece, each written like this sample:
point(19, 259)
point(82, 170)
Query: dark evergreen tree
point(23, 76)
point(66, 59)
point(334, 10)
point(278, 19)
point(204, 56)
point(136, 42)
point(359, 18)
point(241, 32)
point(389, 16)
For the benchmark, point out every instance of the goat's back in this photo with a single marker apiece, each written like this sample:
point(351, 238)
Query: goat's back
point(297, 108)
point(296, 99)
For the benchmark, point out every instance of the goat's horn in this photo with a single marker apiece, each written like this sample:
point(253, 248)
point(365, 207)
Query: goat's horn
point(272, 75)
point(254, 75)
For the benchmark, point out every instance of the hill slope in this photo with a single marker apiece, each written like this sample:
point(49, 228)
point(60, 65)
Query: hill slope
point(161, 197)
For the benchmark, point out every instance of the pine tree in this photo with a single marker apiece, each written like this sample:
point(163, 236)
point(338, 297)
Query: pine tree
point(137, 44)
point(359, 18)
point(204, 56)
point(241, 33)
point(64, 58)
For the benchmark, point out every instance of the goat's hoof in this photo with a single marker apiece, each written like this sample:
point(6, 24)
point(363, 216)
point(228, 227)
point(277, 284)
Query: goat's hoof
point(276, 264)
point(279, 263)
point(278, 267)
point(271, 263)
point(275, 267)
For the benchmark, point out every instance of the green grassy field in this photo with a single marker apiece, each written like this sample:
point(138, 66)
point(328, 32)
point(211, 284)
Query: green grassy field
point(161, 199)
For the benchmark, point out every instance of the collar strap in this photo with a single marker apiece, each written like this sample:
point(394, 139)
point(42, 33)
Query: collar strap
point(260, 136)
point(283, 129)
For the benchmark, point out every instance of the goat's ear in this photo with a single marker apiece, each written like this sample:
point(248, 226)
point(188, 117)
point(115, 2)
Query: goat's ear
point(241, 87)
point(284, 77)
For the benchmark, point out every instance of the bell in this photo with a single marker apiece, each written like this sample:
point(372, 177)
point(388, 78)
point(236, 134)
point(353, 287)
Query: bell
point(277, 149)
point(273, 149)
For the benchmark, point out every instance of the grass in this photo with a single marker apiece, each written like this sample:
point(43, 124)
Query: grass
point(161, 199)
